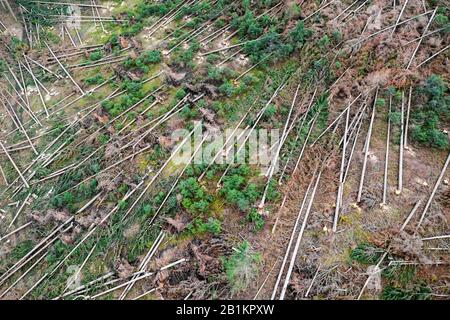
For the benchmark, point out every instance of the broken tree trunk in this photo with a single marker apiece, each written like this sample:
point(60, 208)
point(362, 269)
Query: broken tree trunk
point(389, 27)
point(156, 175)
point(21, 126)
point(291, 239)
point(143, 265)
point(24, 203)
point(10, 9)
point(230, 137)
point(341, 175)
point(178, 179)
point(421, 39)
point(15, 166)
point(400, 158)
point(386, 159)
point(436, 186)
point(35, 80)
point(434, 55)
point(15, 231)
point(299, 238)
point(313, 122)
point(399, 17)
point(280, 145)
point(366, 148)
point(405, 138)
point(64, 69)
point(380, 261)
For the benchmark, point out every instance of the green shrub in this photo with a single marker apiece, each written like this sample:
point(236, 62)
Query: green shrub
point(270, 111)
point(212, 58)
point(298, 35)
point(241, 267)
point(65, 200)
point(21, 249)
point(97, 79)
point(152, 56)
point(122, 204)
point(268, 43)
point(39, 14)
point(213, 226)
point(96, 55)
point(396, 118)
point(238, 191)
point(247, 25)
point(120, 104)
point(426, 118)
point(188, 112)
point(103, 138)
point(195, 199)
point(185, 57)
point(365, 253)
point(323, 42)
point(16, 44)
point(429, 136)
point(56, 252)
point(337, 36)
point(400, 275)
point(157, 9)
point(198, 227)
point(227, 89)
point(142, 62)
point(441, 20)
point(179, 94)
point(272, 192)
point(418, 292)
point(254, 217)
point(402, 283)
point(380, 102)
point(87, 189)
point(219, 75)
